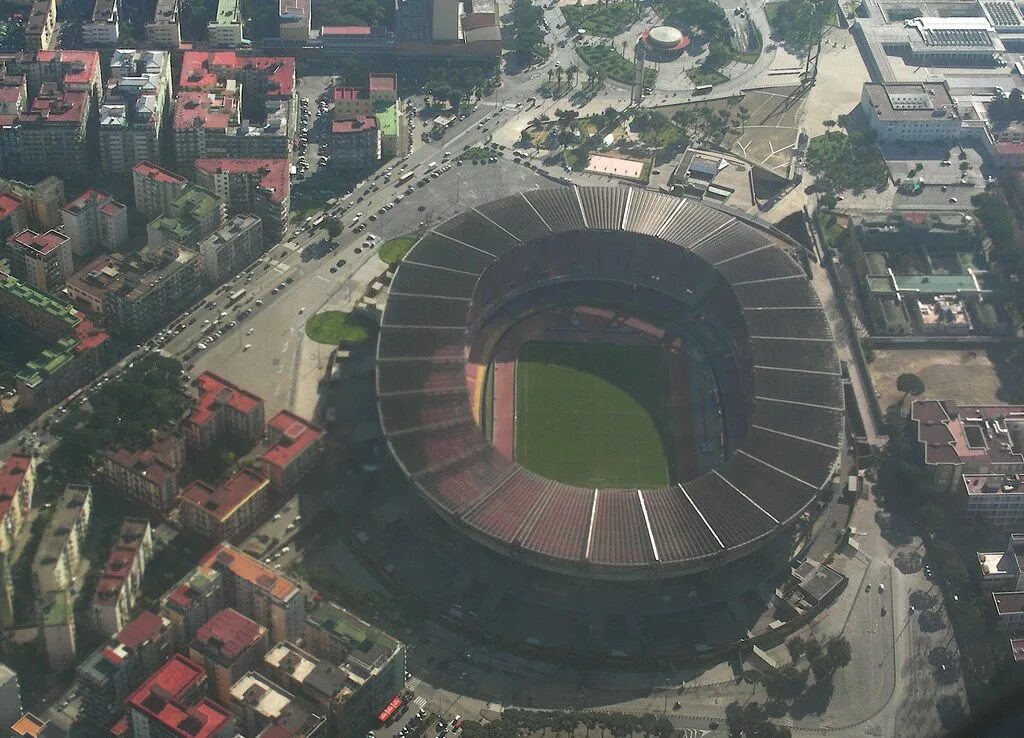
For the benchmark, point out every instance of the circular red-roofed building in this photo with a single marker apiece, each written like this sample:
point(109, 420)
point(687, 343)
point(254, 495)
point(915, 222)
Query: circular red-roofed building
point(665, 42)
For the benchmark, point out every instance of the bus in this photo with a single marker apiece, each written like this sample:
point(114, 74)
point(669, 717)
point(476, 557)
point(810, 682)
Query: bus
point(316, 223)
point(703, 89)
point(236, 296)
point(404, 178)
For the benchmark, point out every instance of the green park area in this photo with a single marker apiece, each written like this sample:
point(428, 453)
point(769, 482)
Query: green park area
point(594, 415)
point(335, 327)
point(601, 20)
point(612, 64)
point(394, 250)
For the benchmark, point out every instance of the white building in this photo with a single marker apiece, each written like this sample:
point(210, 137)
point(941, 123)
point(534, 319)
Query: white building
point(94, 219)
point(131, 113)
point(103, 29)
point(55, 567)
point(164, 31)
point(911, 112)
point(225, 30)
point(230, 248)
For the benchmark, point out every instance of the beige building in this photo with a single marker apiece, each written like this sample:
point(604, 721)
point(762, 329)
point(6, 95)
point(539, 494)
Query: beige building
point(231, 248)
point(227, 646)
point(132, 112)
point(120, 584)
point(95, 219)
point(150, 475)
point(164, 31)
point(41, 23)
point(43, 201)
point(57, 623)
point(259, 592)
point(43, 260)
point(227, 511)
point(155, 189)
point(56, 564)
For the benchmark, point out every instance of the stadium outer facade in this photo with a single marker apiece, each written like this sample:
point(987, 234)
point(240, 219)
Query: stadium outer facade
point(730, 270)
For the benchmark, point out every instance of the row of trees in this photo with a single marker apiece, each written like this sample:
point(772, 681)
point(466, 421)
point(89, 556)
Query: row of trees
point(515, 723)
point(524, 21)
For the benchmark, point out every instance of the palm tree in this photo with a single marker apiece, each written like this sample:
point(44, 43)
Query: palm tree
point(558, 77)
point(551, 73)
point(574, 72)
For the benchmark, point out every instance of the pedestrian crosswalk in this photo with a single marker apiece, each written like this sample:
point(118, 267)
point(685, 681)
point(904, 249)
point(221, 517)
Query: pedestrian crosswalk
point(413, 683)
point(419, 702)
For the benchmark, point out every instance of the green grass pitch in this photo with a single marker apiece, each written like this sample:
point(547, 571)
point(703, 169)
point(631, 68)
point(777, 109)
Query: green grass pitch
point(595, 415)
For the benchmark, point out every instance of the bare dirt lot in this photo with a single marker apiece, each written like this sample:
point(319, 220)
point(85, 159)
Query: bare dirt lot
point(963, 376)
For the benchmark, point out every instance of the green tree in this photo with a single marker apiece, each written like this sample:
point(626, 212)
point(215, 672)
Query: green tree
point(334, 228)
point(909, 384)
point(795, 646)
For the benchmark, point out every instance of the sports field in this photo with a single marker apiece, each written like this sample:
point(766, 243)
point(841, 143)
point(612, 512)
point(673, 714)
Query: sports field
point(595, 415)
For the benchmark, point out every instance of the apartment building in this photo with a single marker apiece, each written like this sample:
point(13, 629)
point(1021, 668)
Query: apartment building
point(107, 676)
point(132, 112)
point(149, 475)
point(13, 215)
point(355, 142)
point(1003, 571)
point(328, 687)
point(138, 292)
point(10, 697)
point(296, 447)
point(226, 30)
point(374, 662)
point(378, 99)
point(227, 646)
point(208, 125)
point(95, 220)
point(57, 626)
point(259, 592)
point(119, 586)
point(192, 216)
point(193, 601)
point(77, 350)
point(170, 704)
point(49, 136)
point(104, 25)
point(223, 408)
point(43, 202)
point(155, 189)
point(227, 511)
point(1009, 611)
point(164, 31)
point(260, 187)
point(56, 564)
point(17, 483)
point(261, 705)
point(43, 260)
point(231, 248)
point(41, 23)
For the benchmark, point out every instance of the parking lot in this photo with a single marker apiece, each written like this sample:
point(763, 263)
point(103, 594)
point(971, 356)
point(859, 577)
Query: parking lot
point(316, 104)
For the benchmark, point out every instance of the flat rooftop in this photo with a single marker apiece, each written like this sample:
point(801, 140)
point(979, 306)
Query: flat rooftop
point(967, 434)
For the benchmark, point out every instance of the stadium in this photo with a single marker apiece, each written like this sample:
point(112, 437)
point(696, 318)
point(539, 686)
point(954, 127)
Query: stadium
point(609, 382)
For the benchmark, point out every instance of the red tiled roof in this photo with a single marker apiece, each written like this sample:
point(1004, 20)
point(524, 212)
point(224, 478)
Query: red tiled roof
point(140, 630)
point(66, 107)
point(122, 728)
point(87, 198)
point(359, 124)
point(383, 82)
point(112, 207)
point(274, 173)
point(917, 217)
point(215, 391)
point(968, 437)
point(10, 93)
point(349, 93)
point(158, 174)
point(1009, 147)
point(80, 67)
point(201, 70)
point(249, 569)
point(203, 110)
point(89, 336)
point(297, 435)
point(11, 476)
point(222, 501)
point(8, 204)
point(170, 682)
point(41, 243)
point(228, 634)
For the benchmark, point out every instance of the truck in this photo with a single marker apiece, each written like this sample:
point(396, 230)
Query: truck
point(236, 296)
point(404, 178)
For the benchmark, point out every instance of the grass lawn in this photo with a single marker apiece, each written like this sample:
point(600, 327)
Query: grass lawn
point(613, 64)
point(393, 251)
point(601, 20)
point(334, 326)
point(593, 414)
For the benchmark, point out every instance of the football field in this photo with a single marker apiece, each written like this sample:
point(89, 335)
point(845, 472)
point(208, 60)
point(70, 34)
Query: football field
point(595, 415)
